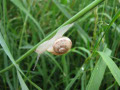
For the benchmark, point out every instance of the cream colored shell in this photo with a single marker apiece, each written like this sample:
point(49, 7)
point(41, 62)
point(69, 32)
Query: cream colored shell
point(61, 46)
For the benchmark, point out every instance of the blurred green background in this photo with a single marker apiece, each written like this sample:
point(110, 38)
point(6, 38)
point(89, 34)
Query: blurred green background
point(24, 23)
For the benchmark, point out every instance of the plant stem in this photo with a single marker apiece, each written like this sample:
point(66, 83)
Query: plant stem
point(71, 20)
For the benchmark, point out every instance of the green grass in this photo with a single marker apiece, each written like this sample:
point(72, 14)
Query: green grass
point(91, 64)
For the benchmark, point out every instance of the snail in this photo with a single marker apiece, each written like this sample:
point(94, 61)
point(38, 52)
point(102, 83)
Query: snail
point(60, 46)
point(57, 45)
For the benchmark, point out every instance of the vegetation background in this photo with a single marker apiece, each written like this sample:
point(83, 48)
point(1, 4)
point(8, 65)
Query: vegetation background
point(93, 62)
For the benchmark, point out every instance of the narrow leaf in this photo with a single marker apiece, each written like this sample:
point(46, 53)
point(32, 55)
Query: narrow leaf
point(22, 83)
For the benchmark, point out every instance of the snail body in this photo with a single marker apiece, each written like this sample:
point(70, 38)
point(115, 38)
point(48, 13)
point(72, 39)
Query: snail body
point(57, 45)
point(61, 46)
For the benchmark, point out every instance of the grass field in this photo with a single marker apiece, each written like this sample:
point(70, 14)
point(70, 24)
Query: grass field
point(93, 63)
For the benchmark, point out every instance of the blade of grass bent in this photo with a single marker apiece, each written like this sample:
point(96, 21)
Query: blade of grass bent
point(5, 47)
point(7, 51)
point(71, 20)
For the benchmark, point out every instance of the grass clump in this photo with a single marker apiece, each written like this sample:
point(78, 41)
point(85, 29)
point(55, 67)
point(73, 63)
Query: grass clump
point(91, 64)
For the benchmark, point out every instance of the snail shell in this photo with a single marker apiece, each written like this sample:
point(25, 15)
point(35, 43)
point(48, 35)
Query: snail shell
point(61, 46)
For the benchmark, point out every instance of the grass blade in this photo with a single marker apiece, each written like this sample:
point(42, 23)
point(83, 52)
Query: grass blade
point(112, 66)
point(97, 74)
point(22, 83)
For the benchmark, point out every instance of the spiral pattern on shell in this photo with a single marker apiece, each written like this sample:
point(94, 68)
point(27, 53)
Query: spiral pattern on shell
point(61, 46)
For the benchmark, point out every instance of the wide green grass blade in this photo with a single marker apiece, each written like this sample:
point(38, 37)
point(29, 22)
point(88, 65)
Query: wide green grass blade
point(112, 66)
point(98, 73)
point(22, 83)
